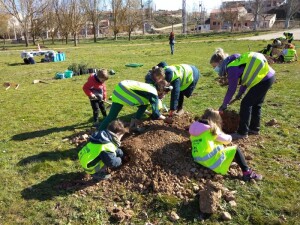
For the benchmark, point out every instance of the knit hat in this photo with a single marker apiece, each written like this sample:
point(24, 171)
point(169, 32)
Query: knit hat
point(162, 64)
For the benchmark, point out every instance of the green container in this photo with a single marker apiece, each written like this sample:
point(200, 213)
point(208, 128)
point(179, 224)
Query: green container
point(60, 76)
point(68, 74)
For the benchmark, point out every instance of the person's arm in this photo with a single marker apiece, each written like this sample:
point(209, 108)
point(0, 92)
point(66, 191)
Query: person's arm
point(154, 106)
point(104, 91)
point(87, 87)
point(119, 153)
point(110, 159)
point(223, 138)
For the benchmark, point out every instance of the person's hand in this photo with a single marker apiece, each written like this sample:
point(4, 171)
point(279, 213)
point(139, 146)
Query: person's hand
point(93, 97)
point(222, 108)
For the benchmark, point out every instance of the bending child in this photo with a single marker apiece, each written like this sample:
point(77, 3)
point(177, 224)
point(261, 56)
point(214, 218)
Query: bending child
point(95, 89)
point(103, 151)
point(208, 149)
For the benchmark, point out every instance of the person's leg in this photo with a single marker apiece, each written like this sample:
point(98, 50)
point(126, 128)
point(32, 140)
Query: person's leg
point(245, 112)
point(262, 89)
point(95, 107)
point(112, 115)
point(240, 160)
point(141, 110)
point(102, 108)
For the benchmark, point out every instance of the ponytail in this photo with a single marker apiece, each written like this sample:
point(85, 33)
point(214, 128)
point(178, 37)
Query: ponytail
point(218, 56)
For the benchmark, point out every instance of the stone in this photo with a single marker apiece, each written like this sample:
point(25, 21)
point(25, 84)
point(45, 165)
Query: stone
point(173, 216)
point(226, 216)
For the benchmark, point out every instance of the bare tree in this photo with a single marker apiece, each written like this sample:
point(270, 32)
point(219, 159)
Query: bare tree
point(292, 7)
point(230, 16)
point(77, 18)
point(93, 13)
point(256, 7)
point(132, 16)
point(51, 22)
point(24, 11)
point(4, 32)
point(117, 16)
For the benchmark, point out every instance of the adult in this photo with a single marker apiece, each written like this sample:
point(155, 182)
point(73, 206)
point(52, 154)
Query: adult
point(172, 42)
point(134, 93)
point(183, 78)
point(252, 70)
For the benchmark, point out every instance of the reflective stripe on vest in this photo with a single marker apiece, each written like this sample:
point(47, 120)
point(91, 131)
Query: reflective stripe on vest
point(289, 55)
point(255, 70)
point(91, 152)
point(124, 93)
point(209, 155)
point(184, 72)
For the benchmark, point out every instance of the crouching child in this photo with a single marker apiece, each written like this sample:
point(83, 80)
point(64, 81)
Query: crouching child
point(208, 149)
point(103, 151)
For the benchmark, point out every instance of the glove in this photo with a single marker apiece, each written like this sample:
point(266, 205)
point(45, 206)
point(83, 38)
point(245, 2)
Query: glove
point(222, 108)
point(93, 97)
point(171, 113)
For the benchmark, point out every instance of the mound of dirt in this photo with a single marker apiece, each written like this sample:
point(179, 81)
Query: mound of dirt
point(160, 160)
point(230, 120)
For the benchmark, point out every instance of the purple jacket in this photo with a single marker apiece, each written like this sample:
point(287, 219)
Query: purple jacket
point(234, 75)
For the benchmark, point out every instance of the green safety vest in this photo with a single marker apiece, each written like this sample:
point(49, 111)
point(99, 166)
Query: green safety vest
point(289, 36)
point(184, 72)
point(89, 156)
point(256, 69)
point(124, 93)
point(211, 154)
point(290, 55)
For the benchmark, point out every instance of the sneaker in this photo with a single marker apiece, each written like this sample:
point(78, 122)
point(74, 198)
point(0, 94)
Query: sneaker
point(254, 132)
point(237, 136)
point(180, 112)
point(101, 176)
point(250, 174)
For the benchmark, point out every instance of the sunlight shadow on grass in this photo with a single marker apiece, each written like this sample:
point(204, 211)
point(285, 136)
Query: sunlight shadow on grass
point(41, 133)
point(50, 156)
point(57, 185)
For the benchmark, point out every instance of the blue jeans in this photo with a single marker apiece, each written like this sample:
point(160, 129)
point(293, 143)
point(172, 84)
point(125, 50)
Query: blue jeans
point(172, 48)
point(250, 109)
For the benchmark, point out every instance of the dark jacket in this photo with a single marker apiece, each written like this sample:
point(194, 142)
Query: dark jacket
point(108, 158)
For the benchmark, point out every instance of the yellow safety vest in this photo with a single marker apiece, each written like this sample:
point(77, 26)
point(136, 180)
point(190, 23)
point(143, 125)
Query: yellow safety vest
point(211, 154)
point(89, 156)
point(124, 93)
point(290, 55)
point(256, 68)
point(184, 72)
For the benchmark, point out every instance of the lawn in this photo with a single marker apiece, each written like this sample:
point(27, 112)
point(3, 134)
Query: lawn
point(36, 118)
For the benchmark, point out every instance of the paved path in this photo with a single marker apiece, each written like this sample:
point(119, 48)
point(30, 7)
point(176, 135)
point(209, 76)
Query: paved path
point(273, 35)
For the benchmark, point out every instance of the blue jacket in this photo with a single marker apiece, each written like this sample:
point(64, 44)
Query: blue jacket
point(108, 158)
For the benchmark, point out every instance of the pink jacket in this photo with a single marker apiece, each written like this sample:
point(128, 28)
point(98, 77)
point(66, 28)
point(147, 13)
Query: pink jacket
point(197, 128)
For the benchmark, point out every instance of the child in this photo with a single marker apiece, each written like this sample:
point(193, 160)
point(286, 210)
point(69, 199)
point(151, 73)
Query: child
point(172, 42)
point(288, 54)
point(208, 146)
point(103, 151)
point(95, 89)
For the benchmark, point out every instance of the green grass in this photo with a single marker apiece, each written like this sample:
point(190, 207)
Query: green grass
point(35, 162)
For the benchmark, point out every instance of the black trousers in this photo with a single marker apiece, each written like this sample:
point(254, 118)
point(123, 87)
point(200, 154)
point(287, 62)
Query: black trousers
point(240, 160)
point(250, 109)
point(98, 106)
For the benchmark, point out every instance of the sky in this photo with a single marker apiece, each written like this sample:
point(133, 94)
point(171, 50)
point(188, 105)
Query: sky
point(191, 4)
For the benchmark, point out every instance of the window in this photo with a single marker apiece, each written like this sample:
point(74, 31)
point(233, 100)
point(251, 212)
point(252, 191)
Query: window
point(214, 23)
point(246, 24)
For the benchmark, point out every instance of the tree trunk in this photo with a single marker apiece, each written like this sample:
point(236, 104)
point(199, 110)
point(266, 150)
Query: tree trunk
point(287, 23)
point(75, 39)
point(66, 39)
point(52, 39)
point(26, 39)
point(94, 32)
point(33, 39)
point(115, 36)
point(129, 35)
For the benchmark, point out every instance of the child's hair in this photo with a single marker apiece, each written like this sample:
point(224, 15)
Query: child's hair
point(290, 46)
point(172, 34)
point(218, 56)
point(213, 119)
point(158, 73)
point(103, 74)
point(162, 88)
point(117, 127)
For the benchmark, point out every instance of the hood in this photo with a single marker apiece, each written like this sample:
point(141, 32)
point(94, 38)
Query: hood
point(101, 137)
point(197, 128)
